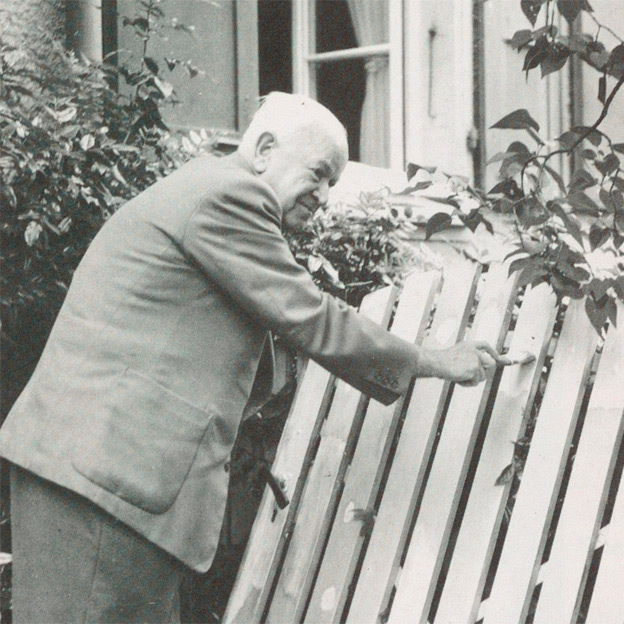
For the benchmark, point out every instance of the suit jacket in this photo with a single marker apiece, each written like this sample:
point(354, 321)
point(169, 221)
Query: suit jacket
point(137, 398)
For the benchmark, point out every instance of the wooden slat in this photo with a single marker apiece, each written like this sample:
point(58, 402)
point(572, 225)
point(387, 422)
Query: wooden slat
point(366, 468)
point(536, 498)
point(321, 487)
point(587, 491)
point(435, 519)
point(607, 602)
point(248, 598)
point(467, 573)
point(408, 467)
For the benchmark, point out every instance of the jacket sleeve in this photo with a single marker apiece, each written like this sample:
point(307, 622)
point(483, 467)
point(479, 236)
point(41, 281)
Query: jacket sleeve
point(235, 240)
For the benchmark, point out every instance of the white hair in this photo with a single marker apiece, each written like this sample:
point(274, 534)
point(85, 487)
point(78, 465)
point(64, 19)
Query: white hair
point(285, 115)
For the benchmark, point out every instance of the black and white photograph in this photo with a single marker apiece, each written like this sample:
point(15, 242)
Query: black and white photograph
point(312, 311)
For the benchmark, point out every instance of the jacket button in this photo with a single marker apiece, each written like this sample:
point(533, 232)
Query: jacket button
point(226, 466)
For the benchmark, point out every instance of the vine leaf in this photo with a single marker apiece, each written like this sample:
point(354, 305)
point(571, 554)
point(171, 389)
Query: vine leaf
point(438, 222)
point(599, 312)
point(616, 61)
point(506, 476)
point(598, 236)
point(531, 9)
point(599, 287)
point(536, 54)
point(518, 120)
point(568, 220)
point(612, 200)
point(555, 59)
point(530, 211)
point(419, 186)
point(367, 518)
point(608, 165)
point(570, 8)
point(556, 177)
point(583, 204)
point(580, 180)
point(151, 64)
point(521, 38)
point(568, 139)
point(413, 169)
point(602, 88)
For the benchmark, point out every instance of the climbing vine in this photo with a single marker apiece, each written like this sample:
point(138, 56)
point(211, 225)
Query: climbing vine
point(570, 232)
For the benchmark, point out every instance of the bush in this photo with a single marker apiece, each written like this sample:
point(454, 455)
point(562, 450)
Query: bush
point(352, 250)
point(73, 148)
point(76, 141)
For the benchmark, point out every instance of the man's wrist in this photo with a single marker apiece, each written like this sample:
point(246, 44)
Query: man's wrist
point(429, 363)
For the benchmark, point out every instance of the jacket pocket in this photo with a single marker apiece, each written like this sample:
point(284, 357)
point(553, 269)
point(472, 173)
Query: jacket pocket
point(140, 442)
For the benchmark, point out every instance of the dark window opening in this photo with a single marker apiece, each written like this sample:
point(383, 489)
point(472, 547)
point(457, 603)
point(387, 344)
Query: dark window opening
point(275, 46)
point(341, 85)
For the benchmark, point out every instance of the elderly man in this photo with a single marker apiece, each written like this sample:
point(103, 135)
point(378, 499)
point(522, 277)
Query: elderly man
point(120, 442)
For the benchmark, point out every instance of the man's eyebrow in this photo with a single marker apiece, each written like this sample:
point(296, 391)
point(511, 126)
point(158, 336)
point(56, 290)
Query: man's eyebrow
point(326, 167)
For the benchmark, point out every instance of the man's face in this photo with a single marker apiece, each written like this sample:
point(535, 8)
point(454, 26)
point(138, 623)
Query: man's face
point(301, 171)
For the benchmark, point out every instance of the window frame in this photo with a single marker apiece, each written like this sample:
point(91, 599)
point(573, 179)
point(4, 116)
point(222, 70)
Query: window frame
point(305, 58)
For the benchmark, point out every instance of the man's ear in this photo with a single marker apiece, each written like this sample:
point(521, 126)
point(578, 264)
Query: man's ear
point(264, 146)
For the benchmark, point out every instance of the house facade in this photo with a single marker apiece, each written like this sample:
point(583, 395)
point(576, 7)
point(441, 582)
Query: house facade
point(412, 80)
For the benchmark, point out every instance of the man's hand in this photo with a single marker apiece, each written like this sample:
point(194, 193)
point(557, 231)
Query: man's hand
point(466, 363)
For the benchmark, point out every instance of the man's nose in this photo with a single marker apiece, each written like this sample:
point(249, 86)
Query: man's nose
point(322, 192)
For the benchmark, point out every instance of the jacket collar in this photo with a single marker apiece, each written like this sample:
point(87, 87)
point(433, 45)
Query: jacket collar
point(240, 161)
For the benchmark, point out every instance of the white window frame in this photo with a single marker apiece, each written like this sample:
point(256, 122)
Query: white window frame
point(305, 58)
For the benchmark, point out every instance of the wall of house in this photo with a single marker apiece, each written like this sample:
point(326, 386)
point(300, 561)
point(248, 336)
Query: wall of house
point(610, 13)
point(439, 79)
point(440, 98)
point(209, 99)
point(438, 83)
point(508, 88)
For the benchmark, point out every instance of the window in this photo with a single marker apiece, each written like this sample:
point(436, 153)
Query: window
point(348, 55)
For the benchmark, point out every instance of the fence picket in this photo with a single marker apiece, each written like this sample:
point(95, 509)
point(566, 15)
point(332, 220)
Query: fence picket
point(607, 601)
point(410, 459)
point(366, 468)
point(321, 487)
point(301, 562)
point(466, 576)
point(587, 491)
point(248, 598)
point(435, 518)
point(535, 501)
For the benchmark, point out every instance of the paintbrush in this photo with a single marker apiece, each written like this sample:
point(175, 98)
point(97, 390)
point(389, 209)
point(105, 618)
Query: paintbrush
point(518, 357)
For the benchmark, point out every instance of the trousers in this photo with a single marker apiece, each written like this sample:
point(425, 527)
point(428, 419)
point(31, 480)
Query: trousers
point(75, 563)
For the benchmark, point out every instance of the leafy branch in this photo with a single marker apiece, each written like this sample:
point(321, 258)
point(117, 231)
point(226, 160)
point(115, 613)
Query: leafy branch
point(561, 233)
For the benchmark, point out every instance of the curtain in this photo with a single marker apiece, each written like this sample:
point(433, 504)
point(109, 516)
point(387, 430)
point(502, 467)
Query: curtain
point(370, 21)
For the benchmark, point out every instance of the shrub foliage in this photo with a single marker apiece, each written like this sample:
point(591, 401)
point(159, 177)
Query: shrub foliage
point(77, 140)
point(354, 249)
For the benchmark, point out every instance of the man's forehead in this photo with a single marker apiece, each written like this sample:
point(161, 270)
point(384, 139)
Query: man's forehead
point(320, 149)
point(327, 153)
